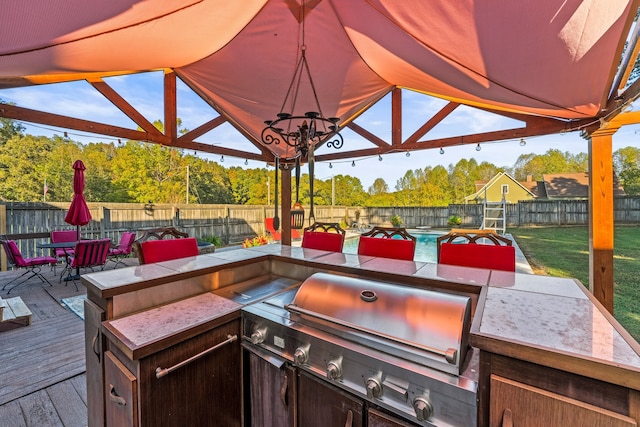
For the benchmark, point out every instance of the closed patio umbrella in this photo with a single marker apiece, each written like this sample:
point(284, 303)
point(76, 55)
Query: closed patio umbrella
point(78, 214)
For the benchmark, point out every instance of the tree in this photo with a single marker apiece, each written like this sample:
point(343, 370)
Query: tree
point(378, 187)
point(9, 128)
point(626, 164)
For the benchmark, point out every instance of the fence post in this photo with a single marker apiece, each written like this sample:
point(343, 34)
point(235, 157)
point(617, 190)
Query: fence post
point(105, 224)
point(227, 227)
point(3, 230)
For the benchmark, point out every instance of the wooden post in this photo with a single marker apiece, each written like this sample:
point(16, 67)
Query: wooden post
point(601, 225)
point(285, 220)
point(3, 231)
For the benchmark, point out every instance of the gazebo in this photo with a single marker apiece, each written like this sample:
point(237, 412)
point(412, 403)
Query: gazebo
point(555, 66)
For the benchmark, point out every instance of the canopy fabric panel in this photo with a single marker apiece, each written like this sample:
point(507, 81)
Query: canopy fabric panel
point(554, 58)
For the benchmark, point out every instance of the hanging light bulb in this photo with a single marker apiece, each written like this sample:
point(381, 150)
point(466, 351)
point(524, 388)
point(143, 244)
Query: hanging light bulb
point(246, 162)
point(119, 141)
point(478, 148)
point(408, 154)
point(441, 150)
point(353, 164)
point(330, 165)
point(522, 142)
point(379, 157)
point(66, 135)
point(222, 159)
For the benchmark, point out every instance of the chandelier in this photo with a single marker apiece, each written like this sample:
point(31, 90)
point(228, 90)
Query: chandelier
point(305, 131)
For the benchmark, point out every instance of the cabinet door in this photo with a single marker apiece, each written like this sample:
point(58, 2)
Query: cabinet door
point(377, 418)
point(120, 392)
point(272, 393)
point(204, 391)
point(531, 406)
point(322, 405)
point(93, 346)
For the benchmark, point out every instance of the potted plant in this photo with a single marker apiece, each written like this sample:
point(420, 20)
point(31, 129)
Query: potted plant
point(256, 241)
point(454, 220)
point(396, 221)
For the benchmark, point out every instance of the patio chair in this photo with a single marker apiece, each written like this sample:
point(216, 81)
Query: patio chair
point(326, 236)
point(59, 236)
point(275, 234)
point(32, 265)
point(387, 242)
point(476, 248)
point(124, 248)
point(87, 254)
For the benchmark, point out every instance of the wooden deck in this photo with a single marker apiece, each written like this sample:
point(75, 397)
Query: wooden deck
point(42, 365)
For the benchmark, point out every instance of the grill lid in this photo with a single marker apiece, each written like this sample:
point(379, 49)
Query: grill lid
point(424, 326)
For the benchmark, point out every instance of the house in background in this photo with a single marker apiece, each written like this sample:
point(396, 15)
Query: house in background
point(570, 186)
point(502, 184)
point(553, 186)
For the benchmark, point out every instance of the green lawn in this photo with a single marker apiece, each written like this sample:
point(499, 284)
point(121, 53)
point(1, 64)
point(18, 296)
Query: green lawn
point(564, 252)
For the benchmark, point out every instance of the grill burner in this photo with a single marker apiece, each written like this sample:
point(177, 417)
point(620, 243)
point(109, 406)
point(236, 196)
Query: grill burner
point(402, 348)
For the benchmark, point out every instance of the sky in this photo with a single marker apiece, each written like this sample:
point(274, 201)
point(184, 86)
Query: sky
point(144, 92)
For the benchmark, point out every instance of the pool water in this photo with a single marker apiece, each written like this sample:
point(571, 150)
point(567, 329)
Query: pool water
point(426, 246)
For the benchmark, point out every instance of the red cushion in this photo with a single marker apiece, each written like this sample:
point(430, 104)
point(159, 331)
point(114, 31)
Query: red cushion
point(165, 250)
point(386, 248)
point(323, 241)
point(479, 256)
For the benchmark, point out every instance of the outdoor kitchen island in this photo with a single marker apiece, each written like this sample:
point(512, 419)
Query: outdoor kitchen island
point(226, 339)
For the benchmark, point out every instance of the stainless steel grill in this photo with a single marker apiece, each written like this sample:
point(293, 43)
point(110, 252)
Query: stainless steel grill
point(402, 348)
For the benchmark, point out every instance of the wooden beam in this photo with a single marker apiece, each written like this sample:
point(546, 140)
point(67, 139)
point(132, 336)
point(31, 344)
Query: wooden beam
point(367, 135)
point(202, 129)
point(120, 103)
point(601, 218)
point(396, 117)
point(432, 122)
point(170, 107)
point(33, 116)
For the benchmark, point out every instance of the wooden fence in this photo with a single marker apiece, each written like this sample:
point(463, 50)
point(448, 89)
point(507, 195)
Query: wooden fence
point(30, 223)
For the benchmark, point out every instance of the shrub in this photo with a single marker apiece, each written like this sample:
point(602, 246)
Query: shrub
point(215, 240)
point(396, 220)
point(454, 220)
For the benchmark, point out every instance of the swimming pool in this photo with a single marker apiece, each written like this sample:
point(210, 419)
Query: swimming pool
point(426, 247)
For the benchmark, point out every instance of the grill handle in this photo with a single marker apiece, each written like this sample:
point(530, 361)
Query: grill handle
point(161, 372)
point(450, 354)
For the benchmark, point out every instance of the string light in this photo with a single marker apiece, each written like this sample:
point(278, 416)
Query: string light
point(408, 154)
point(379, 157)
point(522, 142)
point(478, 148)
point(66, 135)
point(353, 164)
point(330, 165)
point(222, 159)
point(246, 162)
point(441, 150)
point(119, 141)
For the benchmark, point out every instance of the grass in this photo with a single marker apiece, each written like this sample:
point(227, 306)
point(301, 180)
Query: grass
point(564, 252)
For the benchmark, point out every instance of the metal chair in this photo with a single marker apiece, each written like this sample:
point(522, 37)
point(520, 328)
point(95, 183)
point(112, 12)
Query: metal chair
point(326, 236)
point(59, 236)
point(387, 242)
point(32, 265)
point(87, 254)
point(124, 248)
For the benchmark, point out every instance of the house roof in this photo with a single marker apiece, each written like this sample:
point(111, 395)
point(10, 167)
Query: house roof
point(572, 185)
point(548, 58)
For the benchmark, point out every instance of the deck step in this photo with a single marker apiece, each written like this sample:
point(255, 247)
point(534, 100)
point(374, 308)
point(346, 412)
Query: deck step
point(15, 312)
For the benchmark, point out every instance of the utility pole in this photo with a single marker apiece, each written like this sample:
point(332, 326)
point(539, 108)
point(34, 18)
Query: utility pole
point(187, 184)
point(333, 190)
point(268, 191)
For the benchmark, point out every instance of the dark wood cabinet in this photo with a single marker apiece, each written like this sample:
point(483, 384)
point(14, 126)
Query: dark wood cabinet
point(205, 391)
point(322, 405)
point(272, 393)
point(377, 418)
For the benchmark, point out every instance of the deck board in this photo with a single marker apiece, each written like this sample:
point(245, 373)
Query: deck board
point(42, 365)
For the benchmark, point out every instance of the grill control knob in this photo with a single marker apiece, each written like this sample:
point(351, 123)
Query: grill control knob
point(259, 336)
point(301, 355)
point(374, 388)
point(423, 408)
point(334, 369)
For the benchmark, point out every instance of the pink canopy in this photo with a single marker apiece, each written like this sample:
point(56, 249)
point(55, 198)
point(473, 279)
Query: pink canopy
point(78, 211)
point(551, 58)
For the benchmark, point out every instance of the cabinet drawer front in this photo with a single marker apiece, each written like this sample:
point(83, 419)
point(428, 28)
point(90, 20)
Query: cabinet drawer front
point(531, 406)
point(120, 393)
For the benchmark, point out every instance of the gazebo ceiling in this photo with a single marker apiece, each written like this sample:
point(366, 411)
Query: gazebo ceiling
point(550, 63)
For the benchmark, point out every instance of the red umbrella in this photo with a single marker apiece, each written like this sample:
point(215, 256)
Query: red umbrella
point(78, 211)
